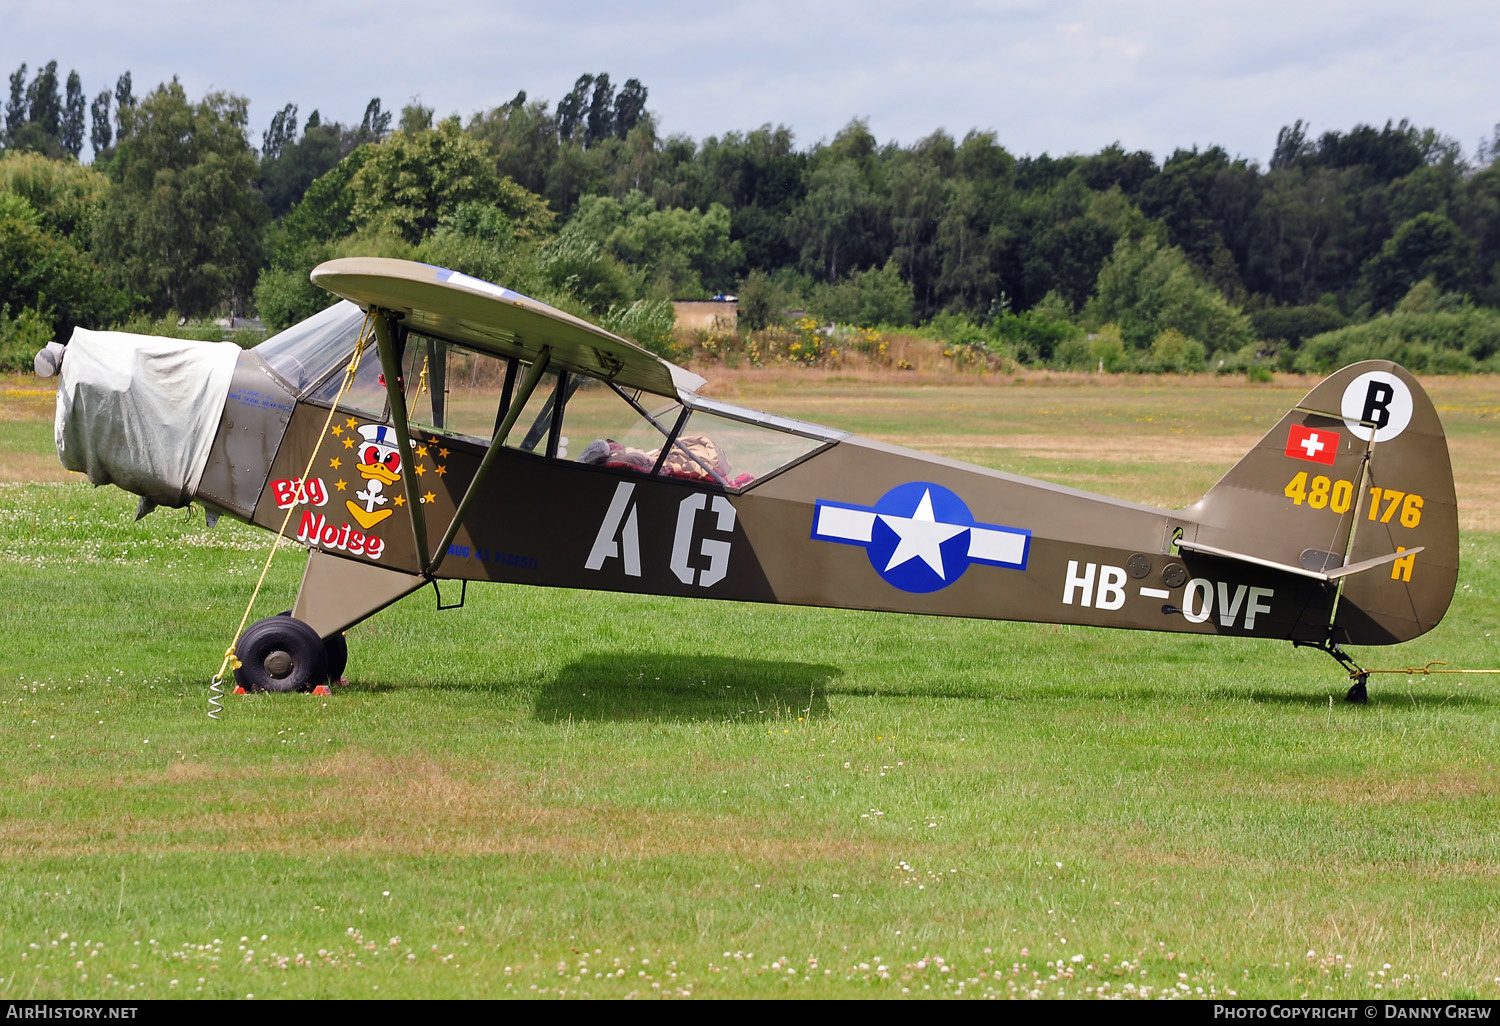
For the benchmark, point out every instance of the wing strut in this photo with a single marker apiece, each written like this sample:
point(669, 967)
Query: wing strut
point(518, 403)
point(384, 336)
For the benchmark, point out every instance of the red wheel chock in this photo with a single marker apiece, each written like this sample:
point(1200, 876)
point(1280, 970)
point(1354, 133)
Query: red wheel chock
point(321, 689)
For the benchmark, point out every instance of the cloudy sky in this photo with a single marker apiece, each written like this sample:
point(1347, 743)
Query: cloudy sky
point(1068, 76)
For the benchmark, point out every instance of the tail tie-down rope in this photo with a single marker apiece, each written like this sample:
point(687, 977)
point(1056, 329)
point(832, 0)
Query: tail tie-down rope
point(216, 686)
point(1425, 670)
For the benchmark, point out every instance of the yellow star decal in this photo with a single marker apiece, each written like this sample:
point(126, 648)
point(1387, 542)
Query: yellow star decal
point(398, 500)
point(429, 497)
point(443, 453)
point(421, 450)
point(352, 422)
point(348, 443)
point(339, 485)
point(441, 471)
point(337, 430)
point(335, 463)
point(420, 469)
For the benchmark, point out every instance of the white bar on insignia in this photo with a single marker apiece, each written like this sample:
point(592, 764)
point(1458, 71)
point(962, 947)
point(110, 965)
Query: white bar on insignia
point(1155, 593)
point(856, 525)
point(996, 546)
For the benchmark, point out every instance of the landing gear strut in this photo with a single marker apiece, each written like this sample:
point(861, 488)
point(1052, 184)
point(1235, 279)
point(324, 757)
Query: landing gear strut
point(1357, 692)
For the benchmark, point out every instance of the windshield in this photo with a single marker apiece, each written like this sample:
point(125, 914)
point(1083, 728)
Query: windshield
point(304, 353)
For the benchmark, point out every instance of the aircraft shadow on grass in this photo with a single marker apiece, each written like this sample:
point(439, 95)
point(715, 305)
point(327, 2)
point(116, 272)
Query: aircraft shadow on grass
point(1393, 695)
point(662, 686)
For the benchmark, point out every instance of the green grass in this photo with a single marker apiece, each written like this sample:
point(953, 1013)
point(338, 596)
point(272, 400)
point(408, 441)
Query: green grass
point(564, 792)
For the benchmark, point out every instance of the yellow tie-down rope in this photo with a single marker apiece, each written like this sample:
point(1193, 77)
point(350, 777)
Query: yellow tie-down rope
point(216, 686)
point(1424, 670)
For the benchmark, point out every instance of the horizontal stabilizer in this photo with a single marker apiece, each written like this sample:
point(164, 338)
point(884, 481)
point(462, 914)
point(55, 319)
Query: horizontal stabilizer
point(1317, 575)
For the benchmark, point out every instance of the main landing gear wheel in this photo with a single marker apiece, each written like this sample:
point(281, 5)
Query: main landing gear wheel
point(337, 651)
point(280, 653)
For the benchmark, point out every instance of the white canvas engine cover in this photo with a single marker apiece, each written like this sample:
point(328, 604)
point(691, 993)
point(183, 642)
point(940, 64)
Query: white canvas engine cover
point(141, 411)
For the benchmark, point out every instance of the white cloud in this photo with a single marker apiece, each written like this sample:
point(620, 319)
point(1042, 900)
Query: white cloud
point(1061, 77)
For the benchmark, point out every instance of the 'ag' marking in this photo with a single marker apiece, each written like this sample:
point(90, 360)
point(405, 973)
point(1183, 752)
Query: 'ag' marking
point(619, 537)
point(716, 551)
point(618, 530)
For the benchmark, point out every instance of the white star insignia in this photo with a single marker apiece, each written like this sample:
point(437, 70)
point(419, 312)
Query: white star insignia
point(921, 535)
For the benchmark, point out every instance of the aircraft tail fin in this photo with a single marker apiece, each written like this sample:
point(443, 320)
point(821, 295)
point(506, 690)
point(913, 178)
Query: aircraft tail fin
point(1351, 478)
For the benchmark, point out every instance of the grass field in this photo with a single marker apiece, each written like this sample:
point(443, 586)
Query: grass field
point(573, 794)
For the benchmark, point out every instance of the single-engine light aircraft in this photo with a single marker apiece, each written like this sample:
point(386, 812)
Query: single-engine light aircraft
point(435, 427)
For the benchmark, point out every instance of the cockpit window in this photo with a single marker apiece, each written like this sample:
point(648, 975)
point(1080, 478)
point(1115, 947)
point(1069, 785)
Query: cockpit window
point(452, 389)
point(309, 350)
point(367, 392)
point(456, 391)
point(726, 446)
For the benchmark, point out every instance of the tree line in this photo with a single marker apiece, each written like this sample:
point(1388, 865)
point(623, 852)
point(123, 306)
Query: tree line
point(1363, 235)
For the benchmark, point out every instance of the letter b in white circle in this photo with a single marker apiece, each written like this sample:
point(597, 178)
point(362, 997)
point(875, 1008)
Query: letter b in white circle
point(1380, 398)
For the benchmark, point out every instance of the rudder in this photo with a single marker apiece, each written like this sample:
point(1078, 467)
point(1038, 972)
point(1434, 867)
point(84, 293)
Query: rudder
point(1357, 470)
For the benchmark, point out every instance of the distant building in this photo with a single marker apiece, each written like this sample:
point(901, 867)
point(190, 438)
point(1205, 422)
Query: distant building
point(718, 314)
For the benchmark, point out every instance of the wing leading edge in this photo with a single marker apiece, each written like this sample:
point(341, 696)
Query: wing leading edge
point(498, 320)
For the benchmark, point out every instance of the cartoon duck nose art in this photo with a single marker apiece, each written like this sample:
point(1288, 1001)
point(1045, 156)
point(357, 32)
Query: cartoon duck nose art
point(380, 466)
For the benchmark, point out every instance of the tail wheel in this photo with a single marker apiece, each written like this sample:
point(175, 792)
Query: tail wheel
point(280, 653)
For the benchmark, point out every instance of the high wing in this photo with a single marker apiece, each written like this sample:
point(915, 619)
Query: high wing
point(474, 312)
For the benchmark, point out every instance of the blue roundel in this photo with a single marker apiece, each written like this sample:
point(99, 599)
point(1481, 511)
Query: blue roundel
point(920, 539)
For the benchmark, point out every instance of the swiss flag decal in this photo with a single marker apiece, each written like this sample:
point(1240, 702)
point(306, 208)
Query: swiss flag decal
point(1318, 445)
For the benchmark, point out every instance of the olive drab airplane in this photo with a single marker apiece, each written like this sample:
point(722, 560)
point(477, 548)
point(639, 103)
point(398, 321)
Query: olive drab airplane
point(434, 427)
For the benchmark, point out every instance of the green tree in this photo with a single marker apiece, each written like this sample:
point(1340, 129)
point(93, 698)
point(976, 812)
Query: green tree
point(867, 298)
point(124, 101)
point(44, 109)
point(600, 121)
point(1426, 246)
point(15, 107)
point(920, 182)
point(481, 240)
point(415, 118)
point(100, 132)
point(522, 137)
point(840, 220)
point(1206, 200)
point(583, 269)
point(761, 302)
point(71, 134)
point(630, 107)
point(572, 110)
point(376, 124)
point(48, 274)
point(674, 253)
point(977, 237)
point(286, 175)
point(183, 226)
point(34, 119)
point(1148, 288)
point(324, 214)
point(410, 181)
point(280, 134)
point(1307, 232)
point(65, 196)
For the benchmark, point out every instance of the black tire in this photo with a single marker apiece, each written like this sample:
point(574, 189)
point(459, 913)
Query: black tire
point(280, 653)
point(337, 651)
point(335, 648)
